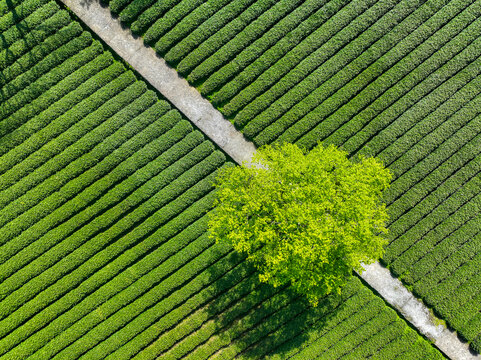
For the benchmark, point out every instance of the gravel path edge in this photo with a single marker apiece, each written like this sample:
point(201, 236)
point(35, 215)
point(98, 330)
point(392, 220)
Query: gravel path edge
point(211, 122)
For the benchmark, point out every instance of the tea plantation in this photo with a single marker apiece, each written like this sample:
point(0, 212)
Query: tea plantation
point(396, 79)
point(104, 191)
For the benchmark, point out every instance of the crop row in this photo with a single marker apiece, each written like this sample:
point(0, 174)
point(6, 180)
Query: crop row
point(188, 316)
point(380, 77)
point(38, 53)
point(266, 50)
point(380, 56)
point(453, 166)
point(104, 192)
point(73, 44)
point(32, 36)
point(248, 86)
point(464, 169)
point(361, 116)
point(462, 309)
point(439, 259)
point(248, 36)
point(297, 330)
point(95, 297)
point(451, 118)
point(308, 34)
point(76, 140)
point(444, 288)
point(64, 274)
point(462, 263)
point(145, 19)
point(350, 332)
point(6, 7)
point(434, 90)
point(243, 315)
point(414, 66)
point(461, 195)
point(13, 104)
point(57, 100)
point(164, 39)
point(117, 5)
point(160, 251)
point(203, 342)
point(200, 318)
point(171, 17)
point(108, 78)
point(14, 28)
point(244, 38)
point(131, 10)
point(334, 35)
point(317, 71)
point(93, 143)
point(98, 239)
point(451, 214)
point(207, 322)
point(103, 195)
point(209, 27)
point(164, 309)
point(344, 341)
point(142, 193)
point(123, 291)
point(16, 216)
point(452, 148)
point(215, 42)
point(437, 176)
point(332, 312)
point(264, 323)
point(112, 189)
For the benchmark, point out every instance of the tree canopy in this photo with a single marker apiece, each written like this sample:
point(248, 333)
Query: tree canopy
point(304, 218)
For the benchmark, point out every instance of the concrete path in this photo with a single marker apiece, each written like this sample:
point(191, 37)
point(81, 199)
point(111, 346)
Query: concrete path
point(165, 79)
point(189, 101)
point(414, 311)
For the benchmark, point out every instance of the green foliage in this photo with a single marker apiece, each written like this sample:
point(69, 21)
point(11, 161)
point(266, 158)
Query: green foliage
point(145, 19)
point(224, 36)
point(303, 63)
point(184, 27)
point(98, 177)
point(104, 191)
point(117, 5)
point(208, 28)
point(132, 10)
point(397, 80)
point(304, 219)
point(170, 19)
point(248, 36)
point(267, 49)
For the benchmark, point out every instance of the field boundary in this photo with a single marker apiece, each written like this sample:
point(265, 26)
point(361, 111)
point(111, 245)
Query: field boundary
point(223, 133)
point(164, 78)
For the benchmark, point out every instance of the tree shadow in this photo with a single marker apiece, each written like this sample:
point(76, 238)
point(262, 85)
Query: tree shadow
point(254, 320)
point(10, 57)
point(33, 50)
point(86, 3)
point(3, 41)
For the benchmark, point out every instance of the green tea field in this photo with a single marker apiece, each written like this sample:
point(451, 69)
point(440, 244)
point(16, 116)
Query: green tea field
point(105, 189)
point(396, 79)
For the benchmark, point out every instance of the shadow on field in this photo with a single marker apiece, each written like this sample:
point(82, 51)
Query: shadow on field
point(86, 3)
point(22, 27)
point(256, 321)
point(16, 59)
point(5, 48)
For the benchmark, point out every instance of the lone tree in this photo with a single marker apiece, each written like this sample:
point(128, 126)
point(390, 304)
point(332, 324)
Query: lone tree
point(303, 218)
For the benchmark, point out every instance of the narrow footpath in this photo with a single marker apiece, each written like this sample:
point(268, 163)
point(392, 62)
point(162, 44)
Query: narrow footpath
point(211, 122)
